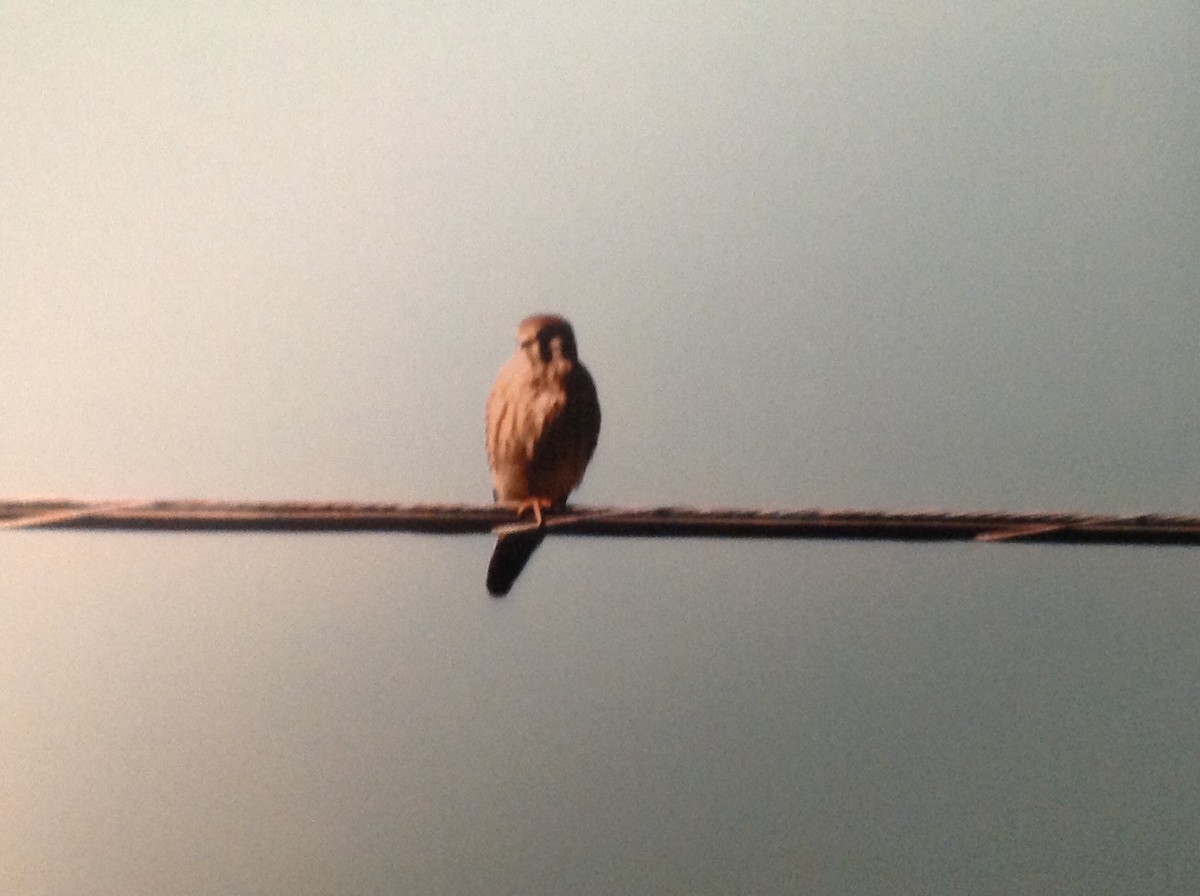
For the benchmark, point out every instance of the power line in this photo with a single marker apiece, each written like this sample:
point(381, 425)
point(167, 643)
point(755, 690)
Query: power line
point(673, 522)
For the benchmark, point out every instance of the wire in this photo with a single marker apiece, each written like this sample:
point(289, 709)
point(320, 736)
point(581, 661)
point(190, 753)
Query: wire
point(641, 522)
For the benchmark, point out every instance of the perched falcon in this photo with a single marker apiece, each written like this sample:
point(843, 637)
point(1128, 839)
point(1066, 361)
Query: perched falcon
point(543, 420)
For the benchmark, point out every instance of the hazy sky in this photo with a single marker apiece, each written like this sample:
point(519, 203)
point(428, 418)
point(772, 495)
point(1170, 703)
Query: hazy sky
point(908, 255)
point(834, 253)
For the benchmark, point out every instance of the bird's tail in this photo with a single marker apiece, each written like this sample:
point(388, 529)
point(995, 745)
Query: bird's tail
point(512, 552)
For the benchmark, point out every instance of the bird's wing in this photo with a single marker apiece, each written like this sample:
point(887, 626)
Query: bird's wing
point(589, 413)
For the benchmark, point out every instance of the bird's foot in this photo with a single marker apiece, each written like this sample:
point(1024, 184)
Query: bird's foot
point(537, 505)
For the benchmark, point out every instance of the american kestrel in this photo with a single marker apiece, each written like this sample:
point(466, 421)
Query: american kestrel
point(543, 420)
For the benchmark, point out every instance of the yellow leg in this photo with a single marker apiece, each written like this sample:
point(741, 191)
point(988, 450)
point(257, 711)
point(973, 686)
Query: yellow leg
point(537, 505)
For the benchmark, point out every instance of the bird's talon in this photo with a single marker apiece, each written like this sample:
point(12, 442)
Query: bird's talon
point(537, 505)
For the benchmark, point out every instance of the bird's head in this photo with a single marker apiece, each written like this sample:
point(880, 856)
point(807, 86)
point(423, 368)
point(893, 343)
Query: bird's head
point(545, 338)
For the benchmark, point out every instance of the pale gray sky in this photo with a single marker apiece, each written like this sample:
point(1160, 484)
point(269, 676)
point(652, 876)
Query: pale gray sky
point(922, 254)
point(816, 253)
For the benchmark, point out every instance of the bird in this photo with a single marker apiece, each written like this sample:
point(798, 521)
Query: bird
point(542, 425)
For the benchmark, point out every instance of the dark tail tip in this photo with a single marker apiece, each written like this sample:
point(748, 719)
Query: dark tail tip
point(509, 557)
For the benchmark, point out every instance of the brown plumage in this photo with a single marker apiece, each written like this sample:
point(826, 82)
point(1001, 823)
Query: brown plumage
point(543, 421)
